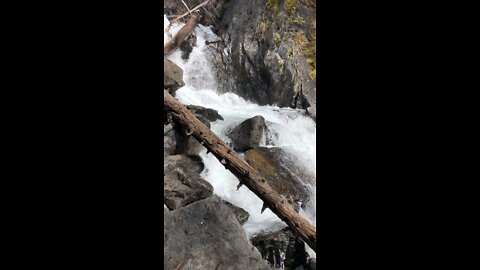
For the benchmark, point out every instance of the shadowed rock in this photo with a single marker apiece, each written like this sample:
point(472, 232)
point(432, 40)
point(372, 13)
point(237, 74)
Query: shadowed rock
point(248, 134)
point(205, 235)
point(282, 249)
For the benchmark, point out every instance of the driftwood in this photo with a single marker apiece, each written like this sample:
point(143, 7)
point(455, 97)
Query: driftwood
point(181, 35)
point(242, 170)
point(189, 11)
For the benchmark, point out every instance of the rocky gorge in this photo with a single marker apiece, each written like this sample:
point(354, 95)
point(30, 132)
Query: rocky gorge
point(203, 227)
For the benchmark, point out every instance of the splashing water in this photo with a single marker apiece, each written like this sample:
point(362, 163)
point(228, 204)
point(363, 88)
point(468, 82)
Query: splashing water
point(296, 133)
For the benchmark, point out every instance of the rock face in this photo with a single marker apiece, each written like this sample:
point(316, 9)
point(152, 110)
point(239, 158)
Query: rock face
point(248, 134)
point(281, 173)
point(282, 249)
point(241, 215)
point(205, 235)
point(268, 54)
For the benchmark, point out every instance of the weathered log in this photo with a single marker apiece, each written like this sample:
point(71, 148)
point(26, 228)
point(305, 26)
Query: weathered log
point(242, 170)
point(189, 11)
point(181, 35)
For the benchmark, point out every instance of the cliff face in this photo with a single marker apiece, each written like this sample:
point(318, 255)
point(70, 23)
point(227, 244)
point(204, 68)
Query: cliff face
point(268, 51)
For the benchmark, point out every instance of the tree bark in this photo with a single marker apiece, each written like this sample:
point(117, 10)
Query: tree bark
point(242, 170)
point(181, 35)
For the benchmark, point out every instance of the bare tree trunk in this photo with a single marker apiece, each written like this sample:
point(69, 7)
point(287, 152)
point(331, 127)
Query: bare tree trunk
point(242, 170)
point(181, 35)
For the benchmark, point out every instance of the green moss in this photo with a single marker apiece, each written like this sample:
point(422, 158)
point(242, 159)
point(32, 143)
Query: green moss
point(308, 47)
point(293, 15)
point(277, 39)
point(281, 63)
point(290, 52)
point(273, 5)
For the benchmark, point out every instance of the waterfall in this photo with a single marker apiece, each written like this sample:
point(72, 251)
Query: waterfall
point(296, 132)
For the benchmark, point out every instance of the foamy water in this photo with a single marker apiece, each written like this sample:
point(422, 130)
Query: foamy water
point(296, 132)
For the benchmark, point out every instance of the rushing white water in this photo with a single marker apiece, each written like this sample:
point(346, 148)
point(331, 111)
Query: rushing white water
point(296, 132)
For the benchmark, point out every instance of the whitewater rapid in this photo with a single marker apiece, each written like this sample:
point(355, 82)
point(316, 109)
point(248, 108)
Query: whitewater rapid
point(296, 132)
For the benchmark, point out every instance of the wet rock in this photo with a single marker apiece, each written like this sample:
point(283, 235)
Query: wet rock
point(282, 249)
point(182, 187)
point(192, 163)
point(187, 45)
point(169, 142)
point(241, 215)
point(281, 173)
point(172, 76)
point(248, 134)
point(205, 235)
point(312, 111)
point(207, 113)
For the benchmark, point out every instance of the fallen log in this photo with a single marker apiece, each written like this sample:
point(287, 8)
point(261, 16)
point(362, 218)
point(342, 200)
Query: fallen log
point(177, 40)
point(189, 11)
point(242, 170)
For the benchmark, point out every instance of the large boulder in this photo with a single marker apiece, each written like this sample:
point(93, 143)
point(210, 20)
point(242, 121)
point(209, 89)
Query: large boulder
point(282, 249)
point(207, 113)
point(190, 163)
point(282, 173)
point(248, 134)
point(182, 183)
point(172, 75)
point(181, 188)
point(205, 235)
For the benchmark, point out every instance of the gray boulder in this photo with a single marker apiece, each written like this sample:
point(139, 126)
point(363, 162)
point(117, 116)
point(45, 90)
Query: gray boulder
point(207, 113)
point(181, 188)
point(248, 134)
point(190, 163)
point(205, 235)
point(172, 76)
